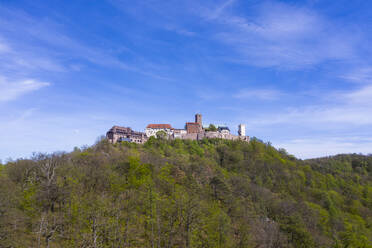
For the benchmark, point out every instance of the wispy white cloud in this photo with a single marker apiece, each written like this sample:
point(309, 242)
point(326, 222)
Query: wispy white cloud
point(179, 30)
point(3, 47)
point(359, 75)
point(25, 59)
point(326, 146)
point(342, 109)
point(12, 90)
point(361, 96)
point(317, 117)
point(46, 46)
point(217, 11)
point(283, 36)
point(74, 129)
point(262, 94)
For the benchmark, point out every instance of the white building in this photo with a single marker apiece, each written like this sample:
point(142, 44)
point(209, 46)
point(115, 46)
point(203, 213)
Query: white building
point(152, 129)
point(179, 133)
point(241, 130)
point(223, 130)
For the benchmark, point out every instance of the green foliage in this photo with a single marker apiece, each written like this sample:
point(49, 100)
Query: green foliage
point(28, 200)
point(297, 232)
point(353, 238)
point(161, 134)
point(183, 193)
point(211, 128)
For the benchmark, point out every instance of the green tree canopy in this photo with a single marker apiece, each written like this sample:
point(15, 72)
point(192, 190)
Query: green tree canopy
point(184, 193)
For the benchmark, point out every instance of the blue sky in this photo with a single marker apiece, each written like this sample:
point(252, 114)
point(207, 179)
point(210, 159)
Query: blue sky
point(297, 73)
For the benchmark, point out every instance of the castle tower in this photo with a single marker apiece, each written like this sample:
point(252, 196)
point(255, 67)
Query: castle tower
point(198, 119)
point(241, 130)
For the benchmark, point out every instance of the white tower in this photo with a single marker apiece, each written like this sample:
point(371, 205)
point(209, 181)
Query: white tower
point(241, 130)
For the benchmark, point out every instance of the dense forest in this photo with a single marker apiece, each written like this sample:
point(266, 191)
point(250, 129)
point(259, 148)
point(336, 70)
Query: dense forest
point(182, 193)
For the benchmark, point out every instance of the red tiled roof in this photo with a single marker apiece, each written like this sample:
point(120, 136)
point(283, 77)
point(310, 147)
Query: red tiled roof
point(192, 123)
point(159, 126)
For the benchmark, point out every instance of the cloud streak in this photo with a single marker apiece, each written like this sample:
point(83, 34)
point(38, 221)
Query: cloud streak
point(219, 10)
point(362, 96)
point(283, 36)
point(345, 108)
point(359, 75)
point(327, 146)
point(3, 47)
point(261, 94)
point(13, 90)
point(46, 46)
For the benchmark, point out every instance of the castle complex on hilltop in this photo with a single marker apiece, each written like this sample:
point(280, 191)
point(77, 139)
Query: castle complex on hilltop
point(192, 131)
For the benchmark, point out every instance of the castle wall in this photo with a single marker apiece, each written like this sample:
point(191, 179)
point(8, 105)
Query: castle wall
point(193, 127)
point(193, 131)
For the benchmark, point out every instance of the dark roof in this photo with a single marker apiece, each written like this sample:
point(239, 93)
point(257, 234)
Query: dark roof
point(124, 130)
point(223, 128)
point(121, 129)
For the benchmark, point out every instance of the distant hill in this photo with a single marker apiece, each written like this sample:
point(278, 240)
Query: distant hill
point(182, 193)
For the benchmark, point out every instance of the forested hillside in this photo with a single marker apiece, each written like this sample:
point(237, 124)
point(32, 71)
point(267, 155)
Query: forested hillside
point(182, 193)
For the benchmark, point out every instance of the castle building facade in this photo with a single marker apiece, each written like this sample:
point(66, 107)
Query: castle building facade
point(152, 129)
point(179, 133)
point(119, 134)
point(195, 127)
point(192, 131)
